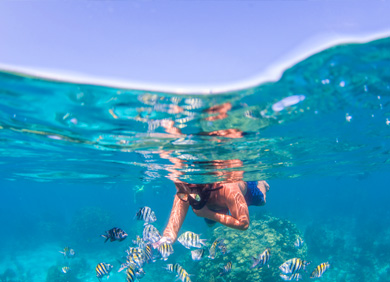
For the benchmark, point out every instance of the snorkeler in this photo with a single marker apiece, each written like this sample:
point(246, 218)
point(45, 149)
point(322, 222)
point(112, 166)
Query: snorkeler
point(224, 202)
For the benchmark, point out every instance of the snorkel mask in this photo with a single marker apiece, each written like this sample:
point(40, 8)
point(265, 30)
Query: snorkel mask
point(198, 196)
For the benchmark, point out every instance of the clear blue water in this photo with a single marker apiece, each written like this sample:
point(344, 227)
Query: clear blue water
point(77, 160)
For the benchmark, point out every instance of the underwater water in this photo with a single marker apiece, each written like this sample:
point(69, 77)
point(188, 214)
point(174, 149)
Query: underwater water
point(77, 160)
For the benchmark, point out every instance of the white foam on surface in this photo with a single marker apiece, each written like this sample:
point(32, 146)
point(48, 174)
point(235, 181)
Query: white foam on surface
point(271, 73)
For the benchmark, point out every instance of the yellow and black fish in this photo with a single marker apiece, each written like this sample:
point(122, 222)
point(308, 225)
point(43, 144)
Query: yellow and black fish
point(190, 239)
point(183, 275)
point(295, 276)
point(319, 270)
point(173, 268)
point(262, 259)
point(131, 273)
point(136, 258)
point(217, 243)
point(293, 265)
point(148, 253)
point(165, 250)
point(226, 268)
point(103, 269)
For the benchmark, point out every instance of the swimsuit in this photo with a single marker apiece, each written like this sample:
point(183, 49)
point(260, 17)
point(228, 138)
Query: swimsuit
point(253, 197)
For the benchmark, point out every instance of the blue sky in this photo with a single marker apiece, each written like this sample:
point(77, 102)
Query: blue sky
point(182, 43)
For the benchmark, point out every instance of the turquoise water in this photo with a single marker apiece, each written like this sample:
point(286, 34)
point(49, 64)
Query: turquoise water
point(77, 160)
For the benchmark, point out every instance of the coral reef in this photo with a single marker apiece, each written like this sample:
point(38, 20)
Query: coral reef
point(266, 232)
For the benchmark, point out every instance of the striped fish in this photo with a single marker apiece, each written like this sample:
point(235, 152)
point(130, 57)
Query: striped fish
point(190, 239)
point(320, 269)
point(293, 265)
point(183, 275)
point(146, 214)
point(212, 250)
point(262, 259)
point(131, 274)
point(139, 242)
point(173, 268)
point(136, 258)
point(295, 276)
point(103, 269)
point(165, 250)
point(115, 234)
point(226, 268)
point(298, 243)
point(151, 234)
point(148, 253)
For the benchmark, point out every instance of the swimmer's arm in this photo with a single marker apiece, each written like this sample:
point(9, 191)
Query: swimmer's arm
point(237, 207)
point(176, 219)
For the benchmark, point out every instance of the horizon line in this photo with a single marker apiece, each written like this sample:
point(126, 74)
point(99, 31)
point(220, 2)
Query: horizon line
point(271, 73)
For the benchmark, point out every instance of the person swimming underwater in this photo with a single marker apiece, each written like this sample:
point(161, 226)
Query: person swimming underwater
point(224, 202)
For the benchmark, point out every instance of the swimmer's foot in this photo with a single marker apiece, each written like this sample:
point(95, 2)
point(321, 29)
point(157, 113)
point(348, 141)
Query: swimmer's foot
point(264, 188)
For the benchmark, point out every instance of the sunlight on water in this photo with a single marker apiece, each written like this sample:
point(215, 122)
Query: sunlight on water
point(77, 159)
point(324, 108)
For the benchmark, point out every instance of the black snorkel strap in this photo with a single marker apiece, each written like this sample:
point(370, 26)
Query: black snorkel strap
point(204, 197)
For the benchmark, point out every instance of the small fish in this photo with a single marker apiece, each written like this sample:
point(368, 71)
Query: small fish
point(226, 268)
point(298, 243)
point(190, 239)
point(183, 275)
point(65, 269)
point(148, 253)
point(214, 245)
point(131, 273)
point(151, 234)
point(132, 250)
point(319, 270)
point(139, 242)
point(293, 265)
point(197, 254)
point(136, 258)
point(262, 259)
point(295, 276)
point(146, 214)
point(103, 269)
point(173, 268)
point(115, 234)
point(68, 252)
point(165, 250)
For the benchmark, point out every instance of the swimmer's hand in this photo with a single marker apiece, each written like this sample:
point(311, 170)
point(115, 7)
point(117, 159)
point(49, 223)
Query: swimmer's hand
point(161, 241)
point(204, 212)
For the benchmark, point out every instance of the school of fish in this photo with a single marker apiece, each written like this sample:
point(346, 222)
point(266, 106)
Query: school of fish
point(142, 252)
